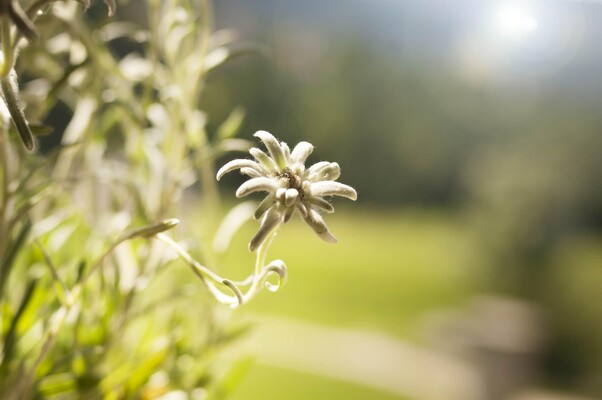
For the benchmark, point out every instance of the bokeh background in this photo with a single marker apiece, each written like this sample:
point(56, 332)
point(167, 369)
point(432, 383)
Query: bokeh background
point(471, 265)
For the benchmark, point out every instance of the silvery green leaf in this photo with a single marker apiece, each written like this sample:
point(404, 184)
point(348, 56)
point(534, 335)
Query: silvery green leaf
point(263, 207)
point(263, 158)
point(271, 220)
point(315, 221)
point(38, 129)
point(237, 164)
point(330, 188)
point(233, 144)
point(151, 230)
point(230, 127)
point(10, 94)
point(261, 184)
point(216, 57)
point(231, 223)
point(119, 29)
point(136, 68)
point(301, 151)
point(273, 146)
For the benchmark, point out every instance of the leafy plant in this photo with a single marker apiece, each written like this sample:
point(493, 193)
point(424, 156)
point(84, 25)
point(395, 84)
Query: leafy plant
point(90, 304)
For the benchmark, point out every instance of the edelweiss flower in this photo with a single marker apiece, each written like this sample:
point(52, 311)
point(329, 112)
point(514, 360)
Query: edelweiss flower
point(290, 186)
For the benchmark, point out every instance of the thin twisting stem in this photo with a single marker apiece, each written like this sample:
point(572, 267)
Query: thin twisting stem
point(255, 282)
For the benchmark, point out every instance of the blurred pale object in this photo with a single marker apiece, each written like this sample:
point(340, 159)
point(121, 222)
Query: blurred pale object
point(365, 358)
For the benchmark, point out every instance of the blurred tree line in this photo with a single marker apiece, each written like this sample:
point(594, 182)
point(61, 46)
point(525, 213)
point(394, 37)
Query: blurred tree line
point(410, 134)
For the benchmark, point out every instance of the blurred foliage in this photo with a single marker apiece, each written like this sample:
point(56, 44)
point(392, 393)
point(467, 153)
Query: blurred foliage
point(516, 156)
point(92, 305)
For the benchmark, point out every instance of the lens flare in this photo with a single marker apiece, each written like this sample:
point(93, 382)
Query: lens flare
point(516, 21)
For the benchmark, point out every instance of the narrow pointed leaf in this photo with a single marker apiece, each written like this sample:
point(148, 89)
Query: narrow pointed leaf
point(230, 127)
point(10, 93)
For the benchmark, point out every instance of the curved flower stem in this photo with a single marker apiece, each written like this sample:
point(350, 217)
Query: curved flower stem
point(255, 281)
point(262, 253)
point(207, 276)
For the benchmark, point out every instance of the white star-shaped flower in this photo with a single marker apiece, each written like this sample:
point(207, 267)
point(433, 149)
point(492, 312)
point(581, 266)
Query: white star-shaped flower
point(290, 186)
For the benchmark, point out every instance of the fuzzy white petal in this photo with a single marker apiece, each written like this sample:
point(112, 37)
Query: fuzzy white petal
point(265, 205)
point(315, 221)
point(236, 164)
point(318, 202)
point(316, 167)
point(301, 151)
point(288, 213)
point(273, 146)
point(330, 188)
point(272, 219)
point(250, 172)
point(263, 159)
point(290, 197)
point(261, 184)
point(287, 152)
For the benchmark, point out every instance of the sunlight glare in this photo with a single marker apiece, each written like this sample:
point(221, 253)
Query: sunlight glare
point(514, 21)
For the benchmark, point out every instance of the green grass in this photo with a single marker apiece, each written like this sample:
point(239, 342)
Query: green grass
point(264, 382)
point(387, 270)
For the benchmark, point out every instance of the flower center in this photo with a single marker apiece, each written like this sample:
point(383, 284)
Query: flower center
point(294, 181)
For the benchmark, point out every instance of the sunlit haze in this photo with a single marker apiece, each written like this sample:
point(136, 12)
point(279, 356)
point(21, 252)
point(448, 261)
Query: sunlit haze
point(514, 20)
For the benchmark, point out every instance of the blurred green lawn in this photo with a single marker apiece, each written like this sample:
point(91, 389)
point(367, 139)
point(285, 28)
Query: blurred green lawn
point(263, 382)
point(387, 272)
